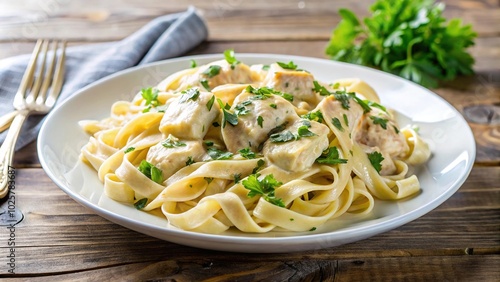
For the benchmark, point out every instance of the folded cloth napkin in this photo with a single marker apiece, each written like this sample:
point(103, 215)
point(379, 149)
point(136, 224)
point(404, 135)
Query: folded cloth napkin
point(164, 37)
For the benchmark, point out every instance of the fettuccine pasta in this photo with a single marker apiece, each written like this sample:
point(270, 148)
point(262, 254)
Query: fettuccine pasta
point(254, 148)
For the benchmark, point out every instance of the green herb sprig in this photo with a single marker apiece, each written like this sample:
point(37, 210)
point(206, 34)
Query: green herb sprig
point(409, 38)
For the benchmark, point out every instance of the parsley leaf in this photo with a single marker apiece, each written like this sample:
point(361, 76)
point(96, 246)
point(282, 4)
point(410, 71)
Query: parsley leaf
point(172, 142)
point(247, 153)
point(282, 137)
point(217, 154)
point(205, 85)
point(376, 160)
point(210, 103)
point(151, 171)
point(212, 71)
point(289, 66)
point(331, 156)
point(190, 161)
point(263, 93)
point(321, 90)
point(227, 116)
point(316, 116)
point(193, 63)
point(260, 164)
point(380, 121)
point(260, 121)
point(141, 203)
point(150, 95)
point(229, 55)
point(409, 38)
point(191, 93)
point(129, 149)
point(337, 124)
point(264, 188)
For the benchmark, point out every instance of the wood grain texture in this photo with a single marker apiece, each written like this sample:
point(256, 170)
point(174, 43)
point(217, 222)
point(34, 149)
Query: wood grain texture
point(60, 236)
point(228, 20)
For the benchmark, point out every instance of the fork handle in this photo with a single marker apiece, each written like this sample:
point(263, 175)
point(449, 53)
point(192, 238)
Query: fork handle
point(7, 151)
point(6, 120)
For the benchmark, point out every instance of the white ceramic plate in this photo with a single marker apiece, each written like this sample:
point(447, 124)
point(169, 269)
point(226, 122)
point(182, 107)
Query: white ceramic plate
point(448, 134)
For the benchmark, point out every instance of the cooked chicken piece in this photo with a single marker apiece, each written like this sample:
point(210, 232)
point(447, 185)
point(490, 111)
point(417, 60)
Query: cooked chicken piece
point(298, 154)
point(189, 118)
point(297, 83)
point(173, 154)
point(378, 129)
point(209, 76)
point(256, 118)
point(332, 108)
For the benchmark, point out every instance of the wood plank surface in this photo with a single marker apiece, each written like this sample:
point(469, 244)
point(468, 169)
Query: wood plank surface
point(60, 236)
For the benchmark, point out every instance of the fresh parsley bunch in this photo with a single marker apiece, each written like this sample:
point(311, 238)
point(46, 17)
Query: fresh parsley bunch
point(409, 38)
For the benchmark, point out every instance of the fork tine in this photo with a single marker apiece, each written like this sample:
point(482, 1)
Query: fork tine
point(48, 76)
point(27, 79)
point(58, 78)
point(41, 73)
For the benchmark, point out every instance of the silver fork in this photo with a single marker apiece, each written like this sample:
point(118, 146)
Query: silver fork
point(32, 97)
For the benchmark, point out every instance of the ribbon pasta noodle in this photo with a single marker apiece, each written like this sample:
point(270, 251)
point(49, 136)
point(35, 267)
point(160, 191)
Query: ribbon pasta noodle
point(254, 148)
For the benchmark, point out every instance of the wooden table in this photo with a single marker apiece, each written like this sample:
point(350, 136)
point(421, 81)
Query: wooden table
point(61, 240)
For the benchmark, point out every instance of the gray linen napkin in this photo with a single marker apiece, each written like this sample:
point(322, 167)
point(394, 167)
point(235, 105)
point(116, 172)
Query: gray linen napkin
point(164, 37)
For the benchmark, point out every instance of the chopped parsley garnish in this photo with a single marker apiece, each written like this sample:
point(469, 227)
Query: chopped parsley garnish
point(264, 188)
point(229, 55)
point(208, 143)
point(363, 104)
point(212, 71)
point(380, 121)
point(346, 121)
point(141, 203)
point(277, 129)
point(260, 164)
point(274, 106)
point(217, 154)
point(343, 97)
point(331, 156)
point(210, 103)
point(191, 93)
point(312, 229)
point(337, 124)
point(336, 85)
point(303, 130)
point(376, 160)
point(316, 116)
point(260, 120)
point(321, 90)
point(375, 105)
point(129, 149)
point(263, 93)
point(247, 153)
point(395, 129)
point(172, 143)
point(266, 67)
point(227, 116)
point(208, 179)
point(289, 66)
point(205, 85)
point(151, 171)
point(237, 177)
point(190, 161)
point(282, 137)
point(193, 63)
point(241, 110)
point(150, 95)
